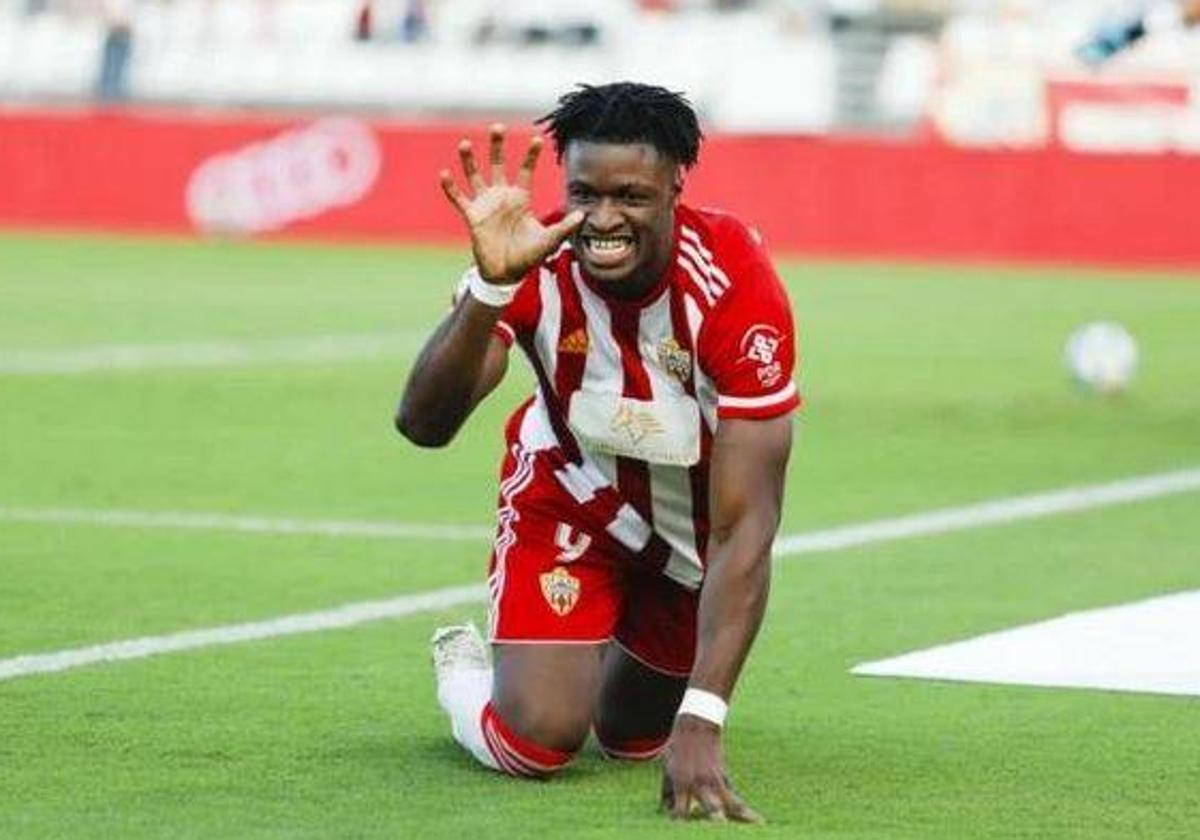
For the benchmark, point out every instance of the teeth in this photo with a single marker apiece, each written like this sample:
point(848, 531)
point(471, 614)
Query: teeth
point(607, 243)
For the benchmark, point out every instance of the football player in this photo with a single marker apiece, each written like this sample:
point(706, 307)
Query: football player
point(641, 482)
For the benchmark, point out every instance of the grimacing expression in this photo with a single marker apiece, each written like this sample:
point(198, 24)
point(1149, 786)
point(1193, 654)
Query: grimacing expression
point(627, 192)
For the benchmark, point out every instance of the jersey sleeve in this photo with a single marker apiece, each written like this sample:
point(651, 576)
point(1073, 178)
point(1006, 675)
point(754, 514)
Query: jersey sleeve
point(747, 343)
point(520, 316)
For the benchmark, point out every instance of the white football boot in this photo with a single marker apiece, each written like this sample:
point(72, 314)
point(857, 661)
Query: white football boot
point(459, 646)
point(462, 665)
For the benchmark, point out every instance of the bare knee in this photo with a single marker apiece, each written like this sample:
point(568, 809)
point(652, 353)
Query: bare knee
point(545, 693)
point(542, 720)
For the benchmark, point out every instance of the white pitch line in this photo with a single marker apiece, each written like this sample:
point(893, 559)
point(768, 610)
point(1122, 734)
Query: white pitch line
point(997, 512)
point(208, 354)
point(1001, 511)
point(288, 625)
point(246, 524)
point(942, 521)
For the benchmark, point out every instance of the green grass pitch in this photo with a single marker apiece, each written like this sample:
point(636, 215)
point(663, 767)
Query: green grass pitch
point(927, 387)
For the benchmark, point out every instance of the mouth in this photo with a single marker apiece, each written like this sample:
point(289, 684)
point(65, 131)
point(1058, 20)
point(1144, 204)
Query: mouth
point(608, 251)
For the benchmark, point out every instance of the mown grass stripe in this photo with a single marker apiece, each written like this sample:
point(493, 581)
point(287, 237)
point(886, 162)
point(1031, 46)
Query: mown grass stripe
point(996, 512)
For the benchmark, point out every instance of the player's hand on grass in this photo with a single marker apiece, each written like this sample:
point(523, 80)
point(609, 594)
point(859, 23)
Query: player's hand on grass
point(506, 237)
point(695, 784)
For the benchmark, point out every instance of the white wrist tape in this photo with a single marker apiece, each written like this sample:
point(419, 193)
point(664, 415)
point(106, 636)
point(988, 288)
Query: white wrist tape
point(705, 705)
point(493, 294)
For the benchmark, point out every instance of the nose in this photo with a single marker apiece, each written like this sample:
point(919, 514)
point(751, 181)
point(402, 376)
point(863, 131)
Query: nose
point(604, 217)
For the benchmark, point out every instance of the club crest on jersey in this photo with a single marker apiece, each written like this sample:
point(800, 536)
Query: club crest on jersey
point(635, 424)
point(576, 342)
point(674, 359)
point(561, 590)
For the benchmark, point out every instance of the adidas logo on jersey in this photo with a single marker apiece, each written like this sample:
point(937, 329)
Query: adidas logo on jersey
point(576, 342)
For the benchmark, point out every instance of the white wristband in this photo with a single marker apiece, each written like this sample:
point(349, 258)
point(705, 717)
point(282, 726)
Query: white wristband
point(705, 705)
point(493, 294)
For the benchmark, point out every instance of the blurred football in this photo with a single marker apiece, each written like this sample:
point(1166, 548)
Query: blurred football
point(1102, 356)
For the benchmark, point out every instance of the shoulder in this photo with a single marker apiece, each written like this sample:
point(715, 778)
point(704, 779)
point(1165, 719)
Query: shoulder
point(727, 260)
point(725, 235)
point(746, 338)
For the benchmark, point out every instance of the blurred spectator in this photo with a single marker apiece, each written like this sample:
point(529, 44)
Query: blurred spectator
point(415, 25)
point(117, 16)
point(540, 22)
point(391, 20)
point(364, 21)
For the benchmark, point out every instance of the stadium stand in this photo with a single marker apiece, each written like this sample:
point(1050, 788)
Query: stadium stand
point(981, 70)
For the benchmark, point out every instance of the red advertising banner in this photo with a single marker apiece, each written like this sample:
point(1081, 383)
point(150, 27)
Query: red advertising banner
point(343, 177)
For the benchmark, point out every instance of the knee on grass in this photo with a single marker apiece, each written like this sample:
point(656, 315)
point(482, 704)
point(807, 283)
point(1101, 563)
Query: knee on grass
point(625, 747)
point(531, 742)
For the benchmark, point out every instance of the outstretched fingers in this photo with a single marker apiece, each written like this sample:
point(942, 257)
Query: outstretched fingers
point(466, 154)
point(735, 808)
point(525, 173)
point(714, 802)
point(452, 191)
point(681, 803)
point(496, 153)
point(564, 227)
point(708, 807)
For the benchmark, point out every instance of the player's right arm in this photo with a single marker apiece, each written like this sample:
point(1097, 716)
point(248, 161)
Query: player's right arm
point(463, 361)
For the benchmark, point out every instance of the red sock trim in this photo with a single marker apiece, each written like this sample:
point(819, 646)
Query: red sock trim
point(633, 749)
point(519, 756)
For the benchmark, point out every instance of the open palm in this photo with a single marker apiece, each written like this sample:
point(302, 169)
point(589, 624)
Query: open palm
point(506, 238)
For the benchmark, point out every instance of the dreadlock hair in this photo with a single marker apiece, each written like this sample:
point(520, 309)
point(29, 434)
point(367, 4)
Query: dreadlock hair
point(627, 112)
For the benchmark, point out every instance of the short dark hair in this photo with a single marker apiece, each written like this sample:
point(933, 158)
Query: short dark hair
point(627, 112)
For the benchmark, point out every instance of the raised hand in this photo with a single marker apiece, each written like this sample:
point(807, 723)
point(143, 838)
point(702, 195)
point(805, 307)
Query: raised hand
point(695, 784)
point(506, 238)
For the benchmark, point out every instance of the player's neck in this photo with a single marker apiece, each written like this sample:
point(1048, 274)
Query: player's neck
point(638, 286)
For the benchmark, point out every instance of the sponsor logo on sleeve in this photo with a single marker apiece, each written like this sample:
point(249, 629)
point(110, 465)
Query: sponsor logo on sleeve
point(760, 347)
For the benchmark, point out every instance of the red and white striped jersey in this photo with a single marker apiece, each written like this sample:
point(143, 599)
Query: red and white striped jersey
point(630, 392)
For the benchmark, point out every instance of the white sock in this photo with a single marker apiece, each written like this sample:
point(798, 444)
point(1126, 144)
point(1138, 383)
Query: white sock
point(462, 693)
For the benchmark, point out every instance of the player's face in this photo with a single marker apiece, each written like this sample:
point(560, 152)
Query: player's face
point(628, 193)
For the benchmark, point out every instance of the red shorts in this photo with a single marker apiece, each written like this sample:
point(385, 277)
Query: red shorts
point(556, 577)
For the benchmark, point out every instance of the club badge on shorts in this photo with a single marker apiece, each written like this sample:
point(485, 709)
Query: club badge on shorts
point(561, 590)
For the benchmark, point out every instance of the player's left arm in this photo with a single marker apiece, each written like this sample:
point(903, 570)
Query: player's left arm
point(749, 461)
